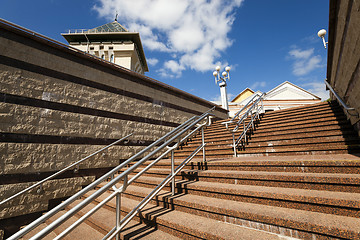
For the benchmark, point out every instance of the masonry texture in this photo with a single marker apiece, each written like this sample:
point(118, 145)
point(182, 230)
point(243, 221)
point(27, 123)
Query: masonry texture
point(343, 72)
point(58, 105)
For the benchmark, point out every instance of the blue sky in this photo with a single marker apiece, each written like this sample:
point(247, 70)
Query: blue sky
point(265, 42)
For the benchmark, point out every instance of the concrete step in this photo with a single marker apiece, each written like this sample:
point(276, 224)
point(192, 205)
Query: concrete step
point(260, 132)
point(327, 115)
point(308, 114)
point(313, 181)
point(288, 116)
point(313, 135)
point(187, 226)
point(286, 222)
point(298, 112)
point(339, 203)
point(50, 236)
point(307, 108)
point(317, 124)
point(226, 140)
point(104, 220)
point(82, 232)
point(335, 163)
point(306, 140)
point(305, 122)
point(299, 149)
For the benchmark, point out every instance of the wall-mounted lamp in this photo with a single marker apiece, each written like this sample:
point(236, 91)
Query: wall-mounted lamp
point(322, 34)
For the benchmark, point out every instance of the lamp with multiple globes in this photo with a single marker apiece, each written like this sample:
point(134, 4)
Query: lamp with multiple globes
point(222, 84)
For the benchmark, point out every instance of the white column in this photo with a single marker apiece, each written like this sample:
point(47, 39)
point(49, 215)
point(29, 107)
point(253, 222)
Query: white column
point(224, 101)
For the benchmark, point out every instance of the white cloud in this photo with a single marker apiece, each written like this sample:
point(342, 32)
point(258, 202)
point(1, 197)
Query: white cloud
point(301, 54)
point(255, 85)
point(171, 69)
point(304, 61)
point(318, 88)
point(152, 61)
point(193, 32)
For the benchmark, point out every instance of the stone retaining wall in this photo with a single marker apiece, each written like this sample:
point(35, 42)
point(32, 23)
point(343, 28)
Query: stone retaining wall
point(58, 105)
point(343, 72)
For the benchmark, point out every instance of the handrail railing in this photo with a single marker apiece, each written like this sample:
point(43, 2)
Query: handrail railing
point(348, 109)
point(254, 110)
point(169, 141)
point(246, 105)
point(75, 164)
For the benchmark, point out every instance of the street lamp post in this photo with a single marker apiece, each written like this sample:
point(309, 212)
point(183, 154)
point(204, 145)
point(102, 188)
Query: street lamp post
point(222, 84)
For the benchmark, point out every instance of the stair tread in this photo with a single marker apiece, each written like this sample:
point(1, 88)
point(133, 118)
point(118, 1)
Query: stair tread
point(105, 220)
point(51, 235)
point(263, 175)
point(298, 219)
point(81, 232)
point(194, 225)
point(303, 160)
point(320, 147)
point(279, 142)
point(288, 194)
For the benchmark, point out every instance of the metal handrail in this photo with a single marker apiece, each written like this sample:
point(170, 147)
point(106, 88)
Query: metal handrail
point(75, 164)
point(250, 106)
point(246, 105)
point(171, 141)
point(348, 109)
point(148, 198)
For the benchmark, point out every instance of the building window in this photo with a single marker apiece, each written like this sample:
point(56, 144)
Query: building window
point(112, 58)
point(91, 48)
point(101, 47)
point(110, 48)
point(103, 56)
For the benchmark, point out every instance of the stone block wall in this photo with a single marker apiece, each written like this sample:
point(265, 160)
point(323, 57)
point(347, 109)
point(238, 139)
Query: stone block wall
point(58, 105)
point(343, 72)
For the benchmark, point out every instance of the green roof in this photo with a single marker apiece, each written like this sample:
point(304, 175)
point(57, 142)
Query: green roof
point(109, 27)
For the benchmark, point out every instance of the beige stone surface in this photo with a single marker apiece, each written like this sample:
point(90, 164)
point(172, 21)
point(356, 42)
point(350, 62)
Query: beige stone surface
point(34, 201)
point(48, 60)
point(345, 73)
point(26, 157)
point(33, 158)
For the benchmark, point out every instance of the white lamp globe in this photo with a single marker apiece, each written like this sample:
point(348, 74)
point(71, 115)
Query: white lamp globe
point(217, 68)
point(215, 73)
point(227, 69)
point(224, 74)
point(322, 33)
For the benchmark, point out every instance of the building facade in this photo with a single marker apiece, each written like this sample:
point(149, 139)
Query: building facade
point(286, 95)
point(111, 42)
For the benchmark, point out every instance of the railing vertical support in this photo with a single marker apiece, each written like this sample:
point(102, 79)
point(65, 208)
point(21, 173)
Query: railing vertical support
point(172, 173)
point(244, 133)
point(118, 214)
point(203, 142)
point(252, 121)
point(234, 145)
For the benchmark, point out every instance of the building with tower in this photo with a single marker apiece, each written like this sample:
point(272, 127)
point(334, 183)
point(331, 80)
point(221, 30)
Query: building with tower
point(111, 42)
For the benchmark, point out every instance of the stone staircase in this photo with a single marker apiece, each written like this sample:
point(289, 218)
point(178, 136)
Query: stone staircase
point(317, 129)
point(298, 177)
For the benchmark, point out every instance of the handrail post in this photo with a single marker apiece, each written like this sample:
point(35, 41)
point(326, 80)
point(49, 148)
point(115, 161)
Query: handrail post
point(252, 120)
point(244, 132)
point(233, 136)
point(118, 214)
point(172, 173)
point(203, 142)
